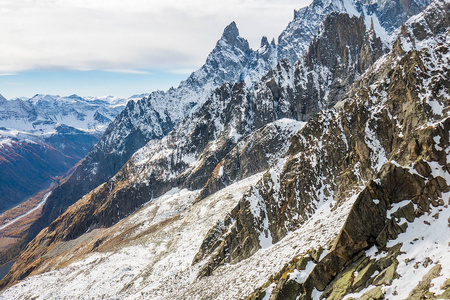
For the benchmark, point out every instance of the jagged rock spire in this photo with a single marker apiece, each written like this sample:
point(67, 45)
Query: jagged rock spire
point(230, 33)
point(231, 37)
point(264, 41)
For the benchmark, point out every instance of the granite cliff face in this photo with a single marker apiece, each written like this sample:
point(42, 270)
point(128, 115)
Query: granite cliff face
point(381, 144)
point(385, 16)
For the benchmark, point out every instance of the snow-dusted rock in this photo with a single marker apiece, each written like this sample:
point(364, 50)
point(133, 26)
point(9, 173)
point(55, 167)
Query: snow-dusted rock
point(290, 231)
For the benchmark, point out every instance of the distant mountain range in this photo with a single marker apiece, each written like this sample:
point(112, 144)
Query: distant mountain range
point(44, 136)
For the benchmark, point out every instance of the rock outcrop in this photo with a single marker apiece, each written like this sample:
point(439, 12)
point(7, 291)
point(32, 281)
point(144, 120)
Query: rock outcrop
point(343, 149)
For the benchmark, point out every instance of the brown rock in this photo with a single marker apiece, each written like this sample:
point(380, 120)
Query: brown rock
point(421, 291)
point(413, 149)
point(386, 276)
point(422, 168)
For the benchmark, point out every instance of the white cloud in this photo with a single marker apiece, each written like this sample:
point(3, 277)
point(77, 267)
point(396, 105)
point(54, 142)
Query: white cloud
point(128, 35)
point(131, 71)
point(185, 71)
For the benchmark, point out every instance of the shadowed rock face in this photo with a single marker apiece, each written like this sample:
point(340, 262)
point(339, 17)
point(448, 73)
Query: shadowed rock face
point(342, 150)
point(344, 39)
point(334, 60)
point(390, 14)
point(393, 13)
point(342, 52)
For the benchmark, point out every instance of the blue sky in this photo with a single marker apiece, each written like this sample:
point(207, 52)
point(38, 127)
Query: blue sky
point(120, 48)
point(86, 83)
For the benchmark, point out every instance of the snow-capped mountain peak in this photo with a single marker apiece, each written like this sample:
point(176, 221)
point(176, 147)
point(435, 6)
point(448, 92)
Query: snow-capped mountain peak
point(231, 36)
point(385, 17)
point(42, 112)
point(144, 121)
point(237, 203)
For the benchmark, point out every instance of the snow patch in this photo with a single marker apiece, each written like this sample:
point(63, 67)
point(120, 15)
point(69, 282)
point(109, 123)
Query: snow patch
point(301, 276)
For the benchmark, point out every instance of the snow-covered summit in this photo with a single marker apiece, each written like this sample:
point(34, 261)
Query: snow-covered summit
point(385, 16)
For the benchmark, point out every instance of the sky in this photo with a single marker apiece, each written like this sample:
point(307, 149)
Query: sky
point(121, 48)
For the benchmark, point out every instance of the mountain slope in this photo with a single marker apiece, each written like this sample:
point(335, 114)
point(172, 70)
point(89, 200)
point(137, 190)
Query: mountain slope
point(361, 193)
point(190, 154)
point(230, 61)
point(328, 163)
point(405, 175)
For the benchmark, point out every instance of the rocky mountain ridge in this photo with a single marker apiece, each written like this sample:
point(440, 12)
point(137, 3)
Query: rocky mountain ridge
point(189, 155)
point(230, 61)
point(375, 158)
point(360, 144)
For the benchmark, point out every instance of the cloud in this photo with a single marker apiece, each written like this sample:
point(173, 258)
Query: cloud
point(128, 35)
point(185, 71)
point(132, 71)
